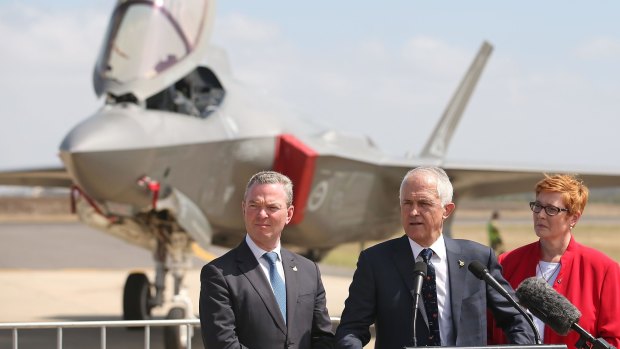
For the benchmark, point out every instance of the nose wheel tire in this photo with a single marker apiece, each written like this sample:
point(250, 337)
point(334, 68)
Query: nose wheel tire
point(175, 337)
point(137, 297)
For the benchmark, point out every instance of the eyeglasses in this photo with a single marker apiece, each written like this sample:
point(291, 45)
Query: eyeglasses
point(550, 210)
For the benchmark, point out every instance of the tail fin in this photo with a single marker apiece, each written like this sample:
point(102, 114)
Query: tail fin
point(437, 144)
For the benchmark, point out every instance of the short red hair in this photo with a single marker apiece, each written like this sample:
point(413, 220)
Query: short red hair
point(574, 192)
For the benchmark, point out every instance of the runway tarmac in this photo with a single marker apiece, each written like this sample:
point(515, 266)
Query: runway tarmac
point(70, 272)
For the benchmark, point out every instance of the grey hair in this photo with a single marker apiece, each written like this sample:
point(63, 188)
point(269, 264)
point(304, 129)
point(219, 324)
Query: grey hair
point(272, 177)
point(444, 186)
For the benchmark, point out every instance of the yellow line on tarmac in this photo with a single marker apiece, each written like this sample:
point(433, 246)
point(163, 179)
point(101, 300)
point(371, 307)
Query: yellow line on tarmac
point(202, 254)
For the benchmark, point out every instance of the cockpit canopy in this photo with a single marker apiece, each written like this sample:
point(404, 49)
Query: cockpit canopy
point(150, 44)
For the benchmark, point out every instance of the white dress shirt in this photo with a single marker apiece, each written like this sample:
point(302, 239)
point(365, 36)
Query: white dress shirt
point(440, 263)
point(264, 264)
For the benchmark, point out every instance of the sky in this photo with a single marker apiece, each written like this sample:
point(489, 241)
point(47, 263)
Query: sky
point(548, 95)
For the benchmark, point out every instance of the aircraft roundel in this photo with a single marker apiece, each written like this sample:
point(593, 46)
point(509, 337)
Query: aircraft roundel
point(318, 195)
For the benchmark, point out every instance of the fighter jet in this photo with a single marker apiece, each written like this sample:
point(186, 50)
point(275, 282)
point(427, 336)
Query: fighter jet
point(164, 162)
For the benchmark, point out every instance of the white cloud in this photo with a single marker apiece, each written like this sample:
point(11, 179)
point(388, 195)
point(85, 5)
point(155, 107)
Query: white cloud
point(239, 27)
point(374, 49)
point(46, 63)
point(46, 39)
point(433, 56)
point(602, 48)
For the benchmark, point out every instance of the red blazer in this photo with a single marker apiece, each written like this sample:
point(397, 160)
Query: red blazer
point(588, 279)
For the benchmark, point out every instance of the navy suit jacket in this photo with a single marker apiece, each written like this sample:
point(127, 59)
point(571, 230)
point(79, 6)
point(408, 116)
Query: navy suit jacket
point(382, 293)
point(238, 308)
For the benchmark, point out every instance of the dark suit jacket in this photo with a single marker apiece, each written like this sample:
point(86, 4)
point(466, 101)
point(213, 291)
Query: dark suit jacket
point(382, 293)
point(238, 308)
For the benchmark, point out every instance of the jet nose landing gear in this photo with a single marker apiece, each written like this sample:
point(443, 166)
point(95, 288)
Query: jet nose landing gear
point(138, 301)
point(140, 296)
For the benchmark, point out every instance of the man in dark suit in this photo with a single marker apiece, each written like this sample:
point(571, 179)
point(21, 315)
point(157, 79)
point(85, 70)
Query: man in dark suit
point(452, 309)
point(260, 295)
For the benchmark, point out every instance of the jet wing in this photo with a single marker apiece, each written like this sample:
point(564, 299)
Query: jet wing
point(493, 182)
point(46, 177)
point(470, 179)
point(484, 180)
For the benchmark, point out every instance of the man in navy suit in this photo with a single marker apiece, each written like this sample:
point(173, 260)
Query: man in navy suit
point(453, 309)
point(260, 295)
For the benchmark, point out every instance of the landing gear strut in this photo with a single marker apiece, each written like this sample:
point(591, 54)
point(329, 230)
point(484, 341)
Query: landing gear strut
point(176, 337)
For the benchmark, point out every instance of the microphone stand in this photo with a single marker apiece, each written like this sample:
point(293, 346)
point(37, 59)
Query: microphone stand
point(482, 273)
point(585, 337)
point(527, 318)
point(419, 272)
point(416, 301)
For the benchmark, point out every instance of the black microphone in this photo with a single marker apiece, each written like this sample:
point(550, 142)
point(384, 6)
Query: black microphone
point(547, 305)
point(482, 273)
point(419, 273)
point(555, 310)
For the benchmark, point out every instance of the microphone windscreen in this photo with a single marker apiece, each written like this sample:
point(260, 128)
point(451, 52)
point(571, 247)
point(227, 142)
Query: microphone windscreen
point(477, 269)
point(547, 304)
point(419, 268)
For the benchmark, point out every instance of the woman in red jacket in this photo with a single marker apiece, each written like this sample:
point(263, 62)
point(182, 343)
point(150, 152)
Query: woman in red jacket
point(586, 277)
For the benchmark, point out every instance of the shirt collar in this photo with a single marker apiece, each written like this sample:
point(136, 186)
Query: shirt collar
point(438, 247)
point(259, 252)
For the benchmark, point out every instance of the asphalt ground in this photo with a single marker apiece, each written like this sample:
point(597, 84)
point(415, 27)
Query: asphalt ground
point(71, 272)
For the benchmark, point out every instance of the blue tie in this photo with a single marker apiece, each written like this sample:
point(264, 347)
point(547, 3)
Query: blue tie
point(429, 295)
point(276, 282)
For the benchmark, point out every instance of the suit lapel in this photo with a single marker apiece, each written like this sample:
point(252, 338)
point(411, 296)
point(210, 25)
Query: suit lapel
point(289, 263)
point(250, 267)
point(404, 261)
point(456, 276)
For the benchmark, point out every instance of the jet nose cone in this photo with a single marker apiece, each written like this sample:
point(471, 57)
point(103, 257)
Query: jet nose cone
point(111, 128)
point(102, 156)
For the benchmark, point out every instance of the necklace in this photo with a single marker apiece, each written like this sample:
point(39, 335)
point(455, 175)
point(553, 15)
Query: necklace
point(549, 276)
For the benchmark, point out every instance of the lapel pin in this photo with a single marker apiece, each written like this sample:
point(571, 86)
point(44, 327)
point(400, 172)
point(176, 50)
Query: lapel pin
point(295, 268)
point(461, 263)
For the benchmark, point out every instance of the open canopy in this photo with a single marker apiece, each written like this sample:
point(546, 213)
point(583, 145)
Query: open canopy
point(151, 44)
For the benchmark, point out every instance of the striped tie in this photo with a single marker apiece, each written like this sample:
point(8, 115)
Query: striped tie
point(429, 295)
point(277, 284)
